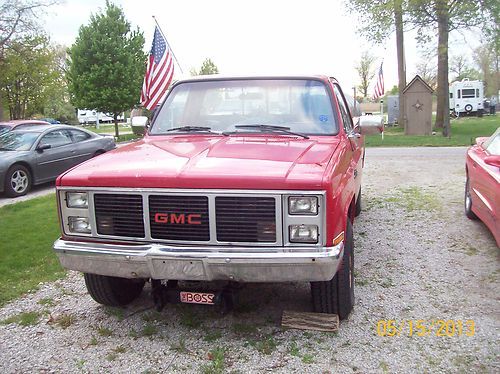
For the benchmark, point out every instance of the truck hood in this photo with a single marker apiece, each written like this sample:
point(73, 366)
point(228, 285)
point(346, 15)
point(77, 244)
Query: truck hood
point(201, 161)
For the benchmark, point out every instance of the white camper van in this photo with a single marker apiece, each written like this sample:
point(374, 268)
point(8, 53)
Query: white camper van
point(467, 97)
point(86, 116)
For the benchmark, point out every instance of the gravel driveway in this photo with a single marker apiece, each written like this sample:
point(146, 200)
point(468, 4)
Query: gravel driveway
point(417, 258)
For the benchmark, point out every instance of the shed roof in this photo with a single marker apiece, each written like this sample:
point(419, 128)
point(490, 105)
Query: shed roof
point(414, 80)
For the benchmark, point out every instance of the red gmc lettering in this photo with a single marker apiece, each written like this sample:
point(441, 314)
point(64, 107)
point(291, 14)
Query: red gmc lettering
point(180, 219)
point(191, 221)
point(161, 218)
point(177, 218)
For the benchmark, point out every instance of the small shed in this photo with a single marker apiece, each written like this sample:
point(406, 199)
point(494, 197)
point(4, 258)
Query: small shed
point(418, 107)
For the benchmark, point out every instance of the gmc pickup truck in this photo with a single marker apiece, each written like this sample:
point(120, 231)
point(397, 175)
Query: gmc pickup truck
point(238, 179)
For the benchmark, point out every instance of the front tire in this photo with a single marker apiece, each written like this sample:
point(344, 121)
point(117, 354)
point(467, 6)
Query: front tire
point(468, 201)
point(17, 181)
point(113, 291)
point(336, 296)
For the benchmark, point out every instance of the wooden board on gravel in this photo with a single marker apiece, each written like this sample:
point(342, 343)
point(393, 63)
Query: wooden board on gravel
point(310, 321)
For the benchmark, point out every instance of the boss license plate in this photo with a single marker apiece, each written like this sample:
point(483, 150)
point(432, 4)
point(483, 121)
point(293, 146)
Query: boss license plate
point(197, 298)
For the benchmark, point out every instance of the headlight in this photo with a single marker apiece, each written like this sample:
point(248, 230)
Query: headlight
point(79, 225)
point(306, 205)
point(77, 200)
point(303, 233)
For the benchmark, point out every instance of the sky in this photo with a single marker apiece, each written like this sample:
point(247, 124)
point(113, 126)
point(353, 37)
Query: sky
point(255, 37)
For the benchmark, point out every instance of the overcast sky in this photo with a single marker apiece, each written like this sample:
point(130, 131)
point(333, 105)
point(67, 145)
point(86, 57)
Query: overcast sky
point(257, 36)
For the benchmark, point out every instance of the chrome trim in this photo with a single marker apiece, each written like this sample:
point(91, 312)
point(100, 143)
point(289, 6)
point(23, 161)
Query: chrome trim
point(159, 261)
point(282, 218)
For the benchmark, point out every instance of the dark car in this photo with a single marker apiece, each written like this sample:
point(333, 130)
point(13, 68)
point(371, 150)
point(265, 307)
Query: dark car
point(38, 154)
point(19, 124)
point(482, 186)
point(52, 121)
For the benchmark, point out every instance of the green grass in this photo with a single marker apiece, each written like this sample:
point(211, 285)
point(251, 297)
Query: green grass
point(28, 230)
point(23, 319)
point(464, 131)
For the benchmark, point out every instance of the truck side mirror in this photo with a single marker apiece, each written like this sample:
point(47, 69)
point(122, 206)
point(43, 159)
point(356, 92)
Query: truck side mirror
point(493, 160)
point(370, 125)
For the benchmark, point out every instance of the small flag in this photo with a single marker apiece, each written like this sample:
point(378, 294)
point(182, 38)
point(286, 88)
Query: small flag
point(379, 86)
point(159, 72)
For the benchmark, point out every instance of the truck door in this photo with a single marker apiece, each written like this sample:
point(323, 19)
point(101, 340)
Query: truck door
point(354, 138)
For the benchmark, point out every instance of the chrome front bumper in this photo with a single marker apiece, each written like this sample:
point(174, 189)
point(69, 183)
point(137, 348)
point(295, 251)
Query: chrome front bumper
point(161, 261)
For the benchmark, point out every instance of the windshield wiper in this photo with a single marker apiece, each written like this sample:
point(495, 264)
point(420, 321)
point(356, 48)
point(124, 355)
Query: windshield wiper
point(194, 129)
point(271, 128)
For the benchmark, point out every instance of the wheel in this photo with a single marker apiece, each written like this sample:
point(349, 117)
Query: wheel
point(468, 201)
point(17, 181)
point(468, 108)
point(336, 296)
point(357, 209)
point(113, 291)
point(98, 153)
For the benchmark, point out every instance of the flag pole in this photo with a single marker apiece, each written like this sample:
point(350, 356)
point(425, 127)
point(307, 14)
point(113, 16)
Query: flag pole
point(169, 47)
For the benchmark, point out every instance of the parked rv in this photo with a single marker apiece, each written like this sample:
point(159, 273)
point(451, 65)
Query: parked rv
point(467, 97)
point(86, 116)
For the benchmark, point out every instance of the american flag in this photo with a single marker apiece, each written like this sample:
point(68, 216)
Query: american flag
point(379, 86)
point(159, 72)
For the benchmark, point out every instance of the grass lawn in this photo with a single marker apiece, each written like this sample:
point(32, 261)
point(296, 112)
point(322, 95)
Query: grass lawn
point(27, 231)
point(464, 131)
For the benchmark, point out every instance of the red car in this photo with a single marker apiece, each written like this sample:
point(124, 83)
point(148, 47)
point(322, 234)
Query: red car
point(482, 187)
point(242, 179)
point(19, 124)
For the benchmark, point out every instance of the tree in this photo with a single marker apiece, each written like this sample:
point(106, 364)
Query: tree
point(426, 69)
point(487, 62)
point(460, 67)
point(365, 72)
point(106, 64)
point(29, 76)
point(377, 20)
point(18, 19)
point(208, 67)
point(445, 15)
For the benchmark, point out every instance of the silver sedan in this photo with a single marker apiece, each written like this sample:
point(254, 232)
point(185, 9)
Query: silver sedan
point(38, 154)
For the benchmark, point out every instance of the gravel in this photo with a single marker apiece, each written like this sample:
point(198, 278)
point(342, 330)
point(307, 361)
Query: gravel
point(417, 258)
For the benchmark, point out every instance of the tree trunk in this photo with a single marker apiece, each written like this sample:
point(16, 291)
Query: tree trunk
point(115, 118)
point(1, 107)
point(398, 17)
point(443, 99)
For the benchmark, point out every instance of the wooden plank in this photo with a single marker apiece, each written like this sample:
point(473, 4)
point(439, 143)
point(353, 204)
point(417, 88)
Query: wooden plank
point(310, 321)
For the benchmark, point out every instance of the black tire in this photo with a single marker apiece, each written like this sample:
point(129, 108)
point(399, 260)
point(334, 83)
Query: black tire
point(357, 208)
point(98, 153)
point(17, 181)
point(468, 201)
point(468, 108)
point(113, 291)
point(336, 296)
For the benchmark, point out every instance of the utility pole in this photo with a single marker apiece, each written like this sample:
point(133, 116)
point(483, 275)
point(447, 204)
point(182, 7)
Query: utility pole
point(398, 17)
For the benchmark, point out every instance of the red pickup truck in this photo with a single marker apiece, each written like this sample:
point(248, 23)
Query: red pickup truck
point(239, 179)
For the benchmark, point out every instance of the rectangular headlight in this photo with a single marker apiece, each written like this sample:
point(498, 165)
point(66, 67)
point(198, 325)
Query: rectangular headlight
point(77, 200)
point(303, 205)
point(79, 225)
point(303, 233)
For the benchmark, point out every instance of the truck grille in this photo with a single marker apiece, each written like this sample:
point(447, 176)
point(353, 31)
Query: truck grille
point(179, 217)
point(187, 218)
point(246, 219)
point(119, 215)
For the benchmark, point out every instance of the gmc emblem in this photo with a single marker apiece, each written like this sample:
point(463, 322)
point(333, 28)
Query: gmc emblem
point(180, 219)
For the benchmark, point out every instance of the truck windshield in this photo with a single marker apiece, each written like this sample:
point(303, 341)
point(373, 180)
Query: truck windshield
point(301, 105)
